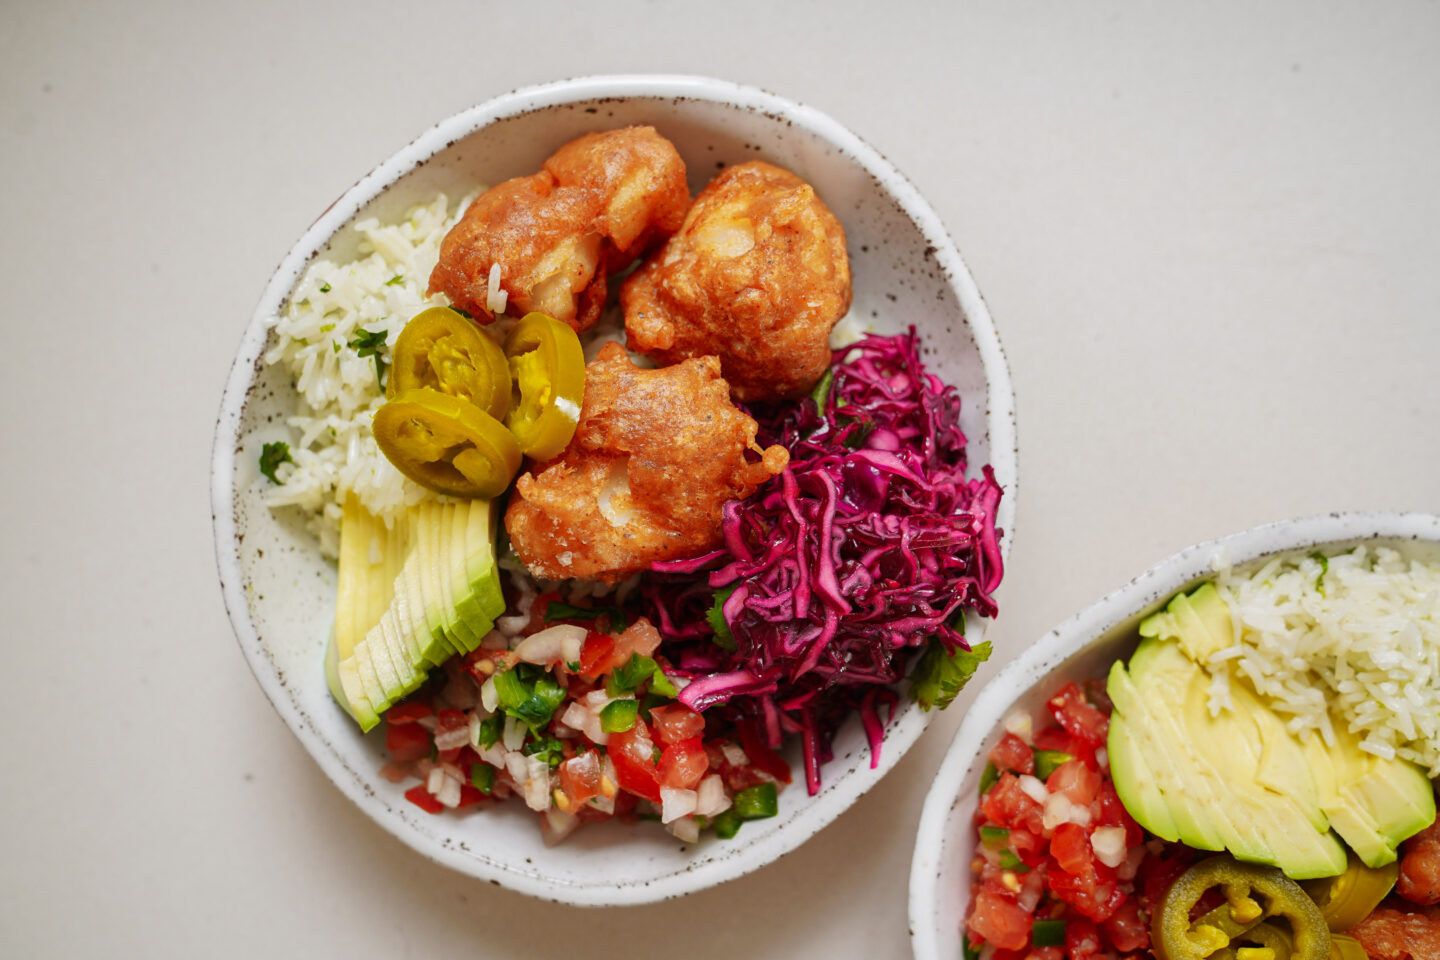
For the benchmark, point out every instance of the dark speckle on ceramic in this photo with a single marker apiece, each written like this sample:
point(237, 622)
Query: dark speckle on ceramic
point(279, 591)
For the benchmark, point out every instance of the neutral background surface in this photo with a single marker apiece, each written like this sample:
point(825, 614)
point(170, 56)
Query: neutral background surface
point(1209, 239)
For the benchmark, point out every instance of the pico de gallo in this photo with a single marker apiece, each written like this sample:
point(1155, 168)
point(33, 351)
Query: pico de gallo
point(1063, 872)
point(571, 707)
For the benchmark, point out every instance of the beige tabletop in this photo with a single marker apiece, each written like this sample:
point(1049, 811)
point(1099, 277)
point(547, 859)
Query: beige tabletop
point(1208, 235)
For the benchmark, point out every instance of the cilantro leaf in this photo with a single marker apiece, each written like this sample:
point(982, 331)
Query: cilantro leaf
point(369, 343)
point(716, 618)
point(938, 676)
point(272, 455)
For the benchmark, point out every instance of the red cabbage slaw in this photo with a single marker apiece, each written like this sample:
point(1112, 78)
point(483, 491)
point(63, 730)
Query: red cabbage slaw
point(870, 544)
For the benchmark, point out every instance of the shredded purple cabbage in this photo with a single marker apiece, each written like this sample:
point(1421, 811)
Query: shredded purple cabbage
point(870, 543)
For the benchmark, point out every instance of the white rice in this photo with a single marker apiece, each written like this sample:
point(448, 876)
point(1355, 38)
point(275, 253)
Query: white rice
point(332, 447)
point(1356, 637)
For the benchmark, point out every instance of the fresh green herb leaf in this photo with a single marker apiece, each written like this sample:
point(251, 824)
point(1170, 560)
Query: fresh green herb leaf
point(511, 689)
point(545, 748)
point(619, 715)
point(968, 949)
point(482, 777)
point(325, 288)
point(572, 665)
point(716, 618)
point(938, 676)
point(272, 455)
point(545, 696)
point(394, 280)
point(368, 343)
point(555, 610)
point(336, 345)
point(464, 313)
point(1324, 562)
point(491, 729)
point(988, 778)
point(1047, 760)
point(327, 328)
point(821, 393)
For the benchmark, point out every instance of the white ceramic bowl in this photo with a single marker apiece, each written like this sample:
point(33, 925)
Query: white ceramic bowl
point(1085, 646)
point(279, 591)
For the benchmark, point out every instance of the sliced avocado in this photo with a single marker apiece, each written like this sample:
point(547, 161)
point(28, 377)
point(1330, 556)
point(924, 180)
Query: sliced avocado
point(409, 598)
point(1374, 803)
point(1206, 770)
point(1128, 767)
point(1199, 620)
point(455, 626)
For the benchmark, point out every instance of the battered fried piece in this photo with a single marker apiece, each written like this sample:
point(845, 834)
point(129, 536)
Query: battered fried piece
point(757, 275)
point(599, 203)
point(1419, 880)
point(655, 456)
point(1393, 932)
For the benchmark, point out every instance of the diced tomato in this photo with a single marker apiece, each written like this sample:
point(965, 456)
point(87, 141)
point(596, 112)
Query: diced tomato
point(1158, 874)
point(1012, 753)
point(683, 764)
point(1099, 698)
point(676, 722)
point(595, 653)
point(1079, 719)
point(633, 754)
point(1112, 813)
point(1008, 806)
point(407, 741)
point(1070, 846)
point(760, 754)
point(1055, 738)
point(469, 796)
point(580, 778)
point(1044, 953)
point(1076, 780)
point(999, 919)
point(1025, 845)
point(423, 799)
point(407, 712)
point(1082, 938)
point(1125, 928)
point(538, 609)
point(1093, 893)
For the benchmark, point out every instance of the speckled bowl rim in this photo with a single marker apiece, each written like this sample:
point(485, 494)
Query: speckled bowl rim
point(999, 418)
point(1092, 625)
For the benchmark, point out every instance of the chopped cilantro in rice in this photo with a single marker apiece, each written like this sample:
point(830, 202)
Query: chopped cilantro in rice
point(335, 337)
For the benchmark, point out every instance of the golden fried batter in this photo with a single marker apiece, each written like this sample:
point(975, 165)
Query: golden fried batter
point(757, 275)
point(656, 454)
point(598, 204)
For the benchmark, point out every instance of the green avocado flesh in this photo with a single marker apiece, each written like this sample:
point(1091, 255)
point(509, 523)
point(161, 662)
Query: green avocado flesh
point(1239, 781)
point(409, 597)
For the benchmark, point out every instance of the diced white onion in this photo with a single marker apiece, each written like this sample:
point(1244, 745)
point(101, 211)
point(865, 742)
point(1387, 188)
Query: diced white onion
point(449, 795)
point(557, 825)
point(514, 735)
point(685, 829)
point(1033, 788)
point(1109, 845)
point(733, 754)
point(552, 644)
point(1102, 757)
point(1059, 809)
point(435, 781)
point(489, 696)
point(1021, 724)
point(676, 802)
point(452, 738)
point(711, 798)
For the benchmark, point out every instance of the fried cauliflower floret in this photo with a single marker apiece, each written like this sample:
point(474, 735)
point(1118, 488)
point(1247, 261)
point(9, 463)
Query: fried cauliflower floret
point(655, 456)
point(757, 275)
point(599, 203)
